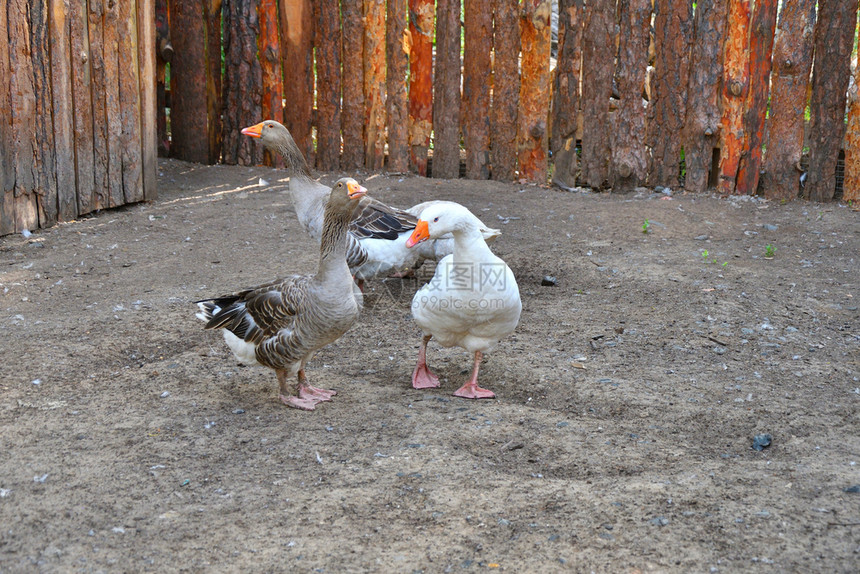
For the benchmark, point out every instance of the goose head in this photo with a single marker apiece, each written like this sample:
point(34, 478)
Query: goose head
point(444, 217)
point(345, 194)
point(269, 132)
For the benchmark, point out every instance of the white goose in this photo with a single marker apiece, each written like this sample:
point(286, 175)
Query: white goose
point(281, 324)
point(378, 232)
point(472, 301)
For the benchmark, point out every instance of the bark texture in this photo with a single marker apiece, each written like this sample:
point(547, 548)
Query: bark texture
point(673, 34)
point(851, 182)
point(565, 93)
point(598, 41)
point(792, 62)
point(83, 118)
point(243, 82)
point(329, 47)
point(297, 32)
point(446, 88)
point(532, 136)
point(629, 164)
point(269, 48)
point(397, 38)
point(188, 117)
point(734, 96)
point(352, 118)
point(421, 19)
point(478, 27)
point(130, 104)
point(374, 84)
point(62, 113)
point(834, 40)
point(506, 89)
point(702, 121)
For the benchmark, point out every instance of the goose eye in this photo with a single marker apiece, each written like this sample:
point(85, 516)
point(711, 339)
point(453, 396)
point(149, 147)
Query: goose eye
point(435, 220)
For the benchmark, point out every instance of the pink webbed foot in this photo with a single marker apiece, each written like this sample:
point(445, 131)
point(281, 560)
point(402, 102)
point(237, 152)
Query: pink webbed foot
point(471, 391)
point(422, 378)
point(310, 393)
point(298, 403)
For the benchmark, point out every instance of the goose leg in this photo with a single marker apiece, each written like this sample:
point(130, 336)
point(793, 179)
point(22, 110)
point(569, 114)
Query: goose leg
point(289, 399)
point(422, 378)
point(308, 392)
point(471, 390)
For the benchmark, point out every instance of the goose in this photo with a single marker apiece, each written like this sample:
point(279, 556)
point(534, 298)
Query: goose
point(378, 232)
point(472, 301)
point(282, 324)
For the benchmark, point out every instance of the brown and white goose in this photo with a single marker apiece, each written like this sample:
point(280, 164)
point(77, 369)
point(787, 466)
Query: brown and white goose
point(281, 324)
point(378, 232)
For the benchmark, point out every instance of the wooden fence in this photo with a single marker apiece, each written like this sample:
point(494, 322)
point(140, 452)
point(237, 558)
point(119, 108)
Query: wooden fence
point(635, 92)
point(77, 109)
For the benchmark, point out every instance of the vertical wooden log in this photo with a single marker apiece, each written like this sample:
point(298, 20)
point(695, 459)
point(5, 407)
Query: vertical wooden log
point(188, 115)
point(61, 87)
point(7, 156)
point(532, 137)
point(352, 119)
point(673, 33)
point(735, 88)
point(446, 89)
point(101, 190)
point(762, 28)
point(628, 165)
point(700, 134)
point(130, 105)
point(214, 85)
point(398, 45)
point(421, 18)
point(113, 114)
point(834, 40)
point(297, 52)
point(374, 84)
point(598, 54)
point(329, 47)
point(271, 105)
point(565, 93)
point(83, 110)
point(851, 182)
point(792, 62)
point(45, 189)
point(506, 89)
point(478, 27)
point(243, 82)
point(146, 61)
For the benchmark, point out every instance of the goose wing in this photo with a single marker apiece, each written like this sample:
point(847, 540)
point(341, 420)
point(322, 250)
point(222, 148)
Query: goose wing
point(375, 219)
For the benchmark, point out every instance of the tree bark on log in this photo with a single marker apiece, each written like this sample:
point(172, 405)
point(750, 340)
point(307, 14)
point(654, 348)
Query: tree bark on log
point(101, 189)
point(329, 48)
point(130, 105)
point(374, 84)
point(834, 40)
point(700, 134)
point(7, 153)
point(352, 118)
point(113, 121)
point(478, 28)
point(851, 181)
point(269, 46)
point(734, 96)
point(63, 115)
point(45, 188)
point(628, 166)
point(673, 32)
point(398, 102)
point(214, 84)
point(188, 117)
point(565, 93)
point(82, 115)
point(297, 32)
point(762, 28)
point(242, 82)
point(506, 89)
point(598, 66)
point(792, 62)
point(532, 137)
point(421, 19)
point(446, 87)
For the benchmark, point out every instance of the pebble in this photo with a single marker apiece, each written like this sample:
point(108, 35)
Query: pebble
point(165, 394)
point(761, 441)
point(659, 521)
point(238, 411)
point(548, 281)
point(853, 489)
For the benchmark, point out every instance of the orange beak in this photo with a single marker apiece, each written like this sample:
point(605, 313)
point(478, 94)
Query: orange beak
point(355, 191)
point(254, 131)
point(421, 233)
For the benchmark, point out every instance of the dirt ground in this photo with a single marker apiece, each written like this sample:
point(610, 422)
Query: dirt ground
point(620, 439)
